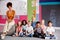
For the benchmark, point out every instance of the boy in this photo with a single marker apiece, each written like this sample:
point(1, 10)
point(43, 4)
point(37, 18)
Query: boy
point(33, 22)
point(37, 31)
point(50, 30)
point(29, 30)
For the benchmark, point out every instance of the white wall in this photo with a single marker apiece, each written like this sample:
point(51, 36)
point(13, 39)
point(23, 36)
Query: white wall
point(20, 7)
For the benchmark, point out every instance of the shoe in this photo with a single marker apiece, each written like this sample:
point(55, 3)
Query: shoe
point(2, 37)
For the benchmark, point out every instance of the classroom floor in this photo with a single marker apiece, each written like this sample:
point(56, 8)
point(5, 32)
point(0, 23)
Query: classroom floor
point(33, 38)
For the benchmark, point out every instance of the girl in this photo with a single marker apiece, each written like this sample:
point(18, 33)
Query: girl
point(19, 31)
point(43, 27)
point(24, 26)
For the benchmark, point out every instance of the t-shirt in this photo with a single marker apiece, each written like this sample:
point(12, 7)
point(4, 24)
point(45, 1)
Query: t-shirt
point(50, 30)
point(38, 29)
point(30, 29)
point(24, 27)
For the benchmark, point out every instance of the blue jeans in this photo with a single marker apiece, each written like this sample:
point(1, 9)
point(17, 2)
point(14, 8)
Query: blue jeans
point(51, 36)
point(30, 35)
point(20, 34)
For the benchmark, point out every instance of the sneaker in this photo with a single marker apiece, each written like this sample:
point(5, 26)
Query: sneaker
point(2, 37)
point(47, 37)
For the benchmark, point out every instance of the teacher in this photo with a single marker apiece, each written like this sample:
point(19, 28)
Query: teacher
point(10, 20)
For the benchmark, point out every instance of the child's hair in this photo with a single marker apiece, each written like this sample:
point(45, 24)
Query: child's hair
point(18, 23)
point(49, 22)
point(29, 21)
point(37, 22)
point(43, 20)
point(9, 4)
point(23, 22)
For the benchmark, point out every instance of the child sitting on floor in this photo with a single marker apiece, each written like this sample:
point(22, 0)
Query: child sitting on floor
point(37, 31)
point(50, 31)
point(43, 27)
point(19, 31)
point(29, 30)
point(24, 26)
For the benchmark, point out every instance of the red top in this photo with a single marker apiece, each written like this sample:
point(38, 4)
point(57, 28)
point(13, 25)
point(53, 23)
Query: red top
point(19, 29)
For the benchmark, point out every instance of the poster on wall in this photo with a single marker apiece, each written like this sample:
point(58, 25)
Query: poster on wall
point(33, 9)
